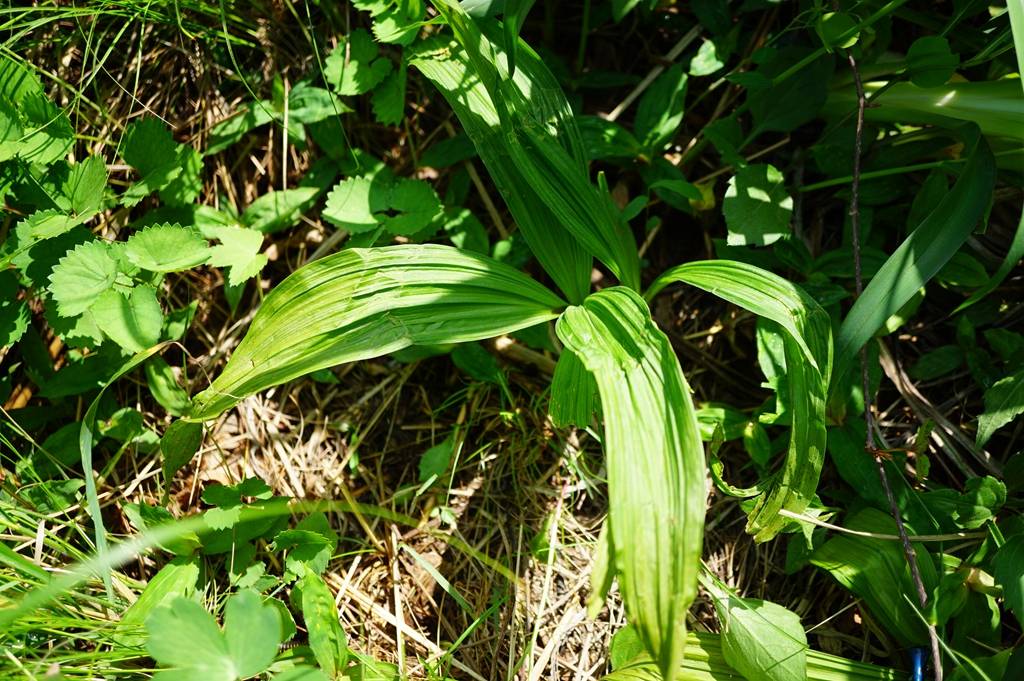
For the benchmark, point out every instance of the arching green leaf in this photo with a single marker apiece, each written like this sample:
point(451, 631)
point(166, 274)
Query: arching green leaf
point(363, 303)
point(808, 350)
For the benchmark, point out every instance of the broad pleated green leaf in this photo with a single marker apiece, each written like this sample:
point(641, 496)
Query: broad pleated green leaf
point(363, 303)
point(921, 255)
point(573, 392)
point(808, 350)
point(527, 137)
point(704, 661)
point(655, 463)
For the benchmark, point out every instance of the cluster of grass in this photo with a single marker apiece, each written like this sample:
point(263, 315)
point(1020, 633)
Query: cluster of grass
point(404, 339)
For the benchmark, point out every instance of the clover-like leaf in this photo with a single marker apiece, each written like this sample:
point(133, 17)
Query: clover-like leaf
point(402, 206)
point(238, 251)
point(186, 637)
point(355, 65)
point(133, 321)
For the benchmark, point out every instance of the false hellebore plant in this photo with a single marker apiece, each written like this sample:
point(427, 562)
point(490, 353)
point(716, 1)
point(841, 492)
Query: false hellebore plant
point(363, 303)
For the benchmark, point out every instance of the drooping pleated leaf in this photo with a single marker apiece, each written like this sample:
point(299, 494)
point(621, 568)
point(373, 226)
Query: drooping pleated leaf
point(655, 463)
point(808, 351)
point(573, 392)
point(363, 303)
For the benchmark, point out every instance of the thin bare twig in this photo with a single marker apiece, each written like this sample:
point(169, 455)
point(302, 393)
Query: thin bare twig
point(869, 426)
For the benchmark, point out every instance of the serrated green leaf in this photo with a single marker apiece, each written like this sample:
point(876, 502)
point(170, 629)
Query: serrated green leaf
point(309, 104)
point(388, 99)
point(47, 224)
point(168, 167)
point(85, 184)
point(403, 206)
point(81, 276)
point(1004, 402)
point(326, 637)
point(48, 134)
point(757, 207)
point(167, 248)
point(416, 205)
point(355, 65)
point(307, 551)
point(252, 630)
point(363, 303)
point(184, 186)
point(17, 81)
point(396, 27)
point(238, 250)
point(350, 206)
point(655, 475)
point(14, 314)
point(132, 321)
point(148, 146)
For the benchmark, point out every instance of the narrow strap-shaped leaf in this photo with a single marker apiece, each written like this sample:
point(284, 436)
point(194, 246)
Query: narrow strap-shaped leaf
point(363, 303)
point(655, 463)
point(922, 254)
point(808, 350)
